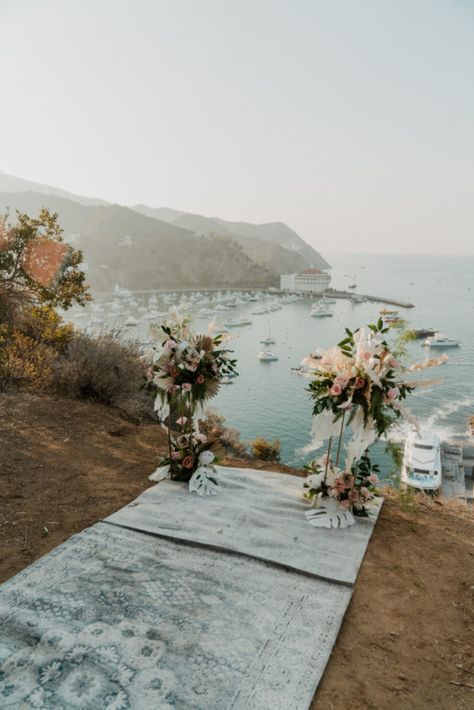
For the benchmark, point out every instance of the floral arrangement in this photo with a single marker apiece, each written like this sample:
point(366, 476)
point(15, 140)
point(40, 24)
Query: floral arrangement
point(186, 372)
point(354, 490)
point(358, 384)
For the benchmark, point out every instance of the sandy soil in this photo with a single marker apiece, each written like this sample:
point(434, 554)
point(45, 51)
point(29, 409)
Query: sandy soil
point(409, 629)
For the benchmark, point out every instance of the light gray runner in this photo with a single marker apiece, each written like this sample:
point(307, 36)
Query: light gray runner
point(114, 619)
point(257, 513)
point(154, 610)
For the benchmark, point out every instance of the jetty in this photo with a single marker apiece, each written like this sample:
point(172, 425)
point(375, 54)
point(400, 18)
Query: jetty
point(457, 463)
point(335, 293)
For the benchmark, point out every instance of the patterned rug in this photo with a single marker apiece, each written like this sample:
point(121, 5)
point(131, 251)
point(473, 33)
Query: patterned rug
point(114, 619)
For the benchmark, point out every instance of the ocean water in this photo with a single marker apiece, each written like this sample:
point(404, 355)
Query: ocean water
point(269, 400)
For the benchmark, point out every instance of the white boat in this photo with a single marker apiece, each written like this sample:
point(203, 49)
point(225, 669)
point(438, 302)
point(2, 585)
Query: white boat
point(438, 340)
point(421, 466)
point(227, 380)
point(321, 312)
point(266, 356)
point(235, 323)
point(268, 340)
point(131, 321)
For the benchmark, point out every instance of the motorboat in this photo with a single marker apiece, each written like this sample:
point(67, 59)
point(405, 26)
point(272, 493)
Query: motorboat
point(236, 323)
point(438, 340)
point(266, 356)
point(421, 466)
point(321, 312)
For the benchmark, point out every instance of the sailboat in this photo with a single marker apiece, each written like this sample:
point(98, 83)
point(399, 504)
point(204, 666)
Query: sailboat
point(268, 340)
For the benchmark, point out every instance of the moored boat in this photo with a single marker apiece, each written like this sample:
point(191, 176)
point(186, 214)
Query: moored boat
point(266, 356)
point(421, 466)
point(438, 340)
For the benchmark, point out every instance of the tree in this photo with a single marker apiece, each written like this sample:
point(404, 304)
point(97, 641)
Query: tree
point(37, 266)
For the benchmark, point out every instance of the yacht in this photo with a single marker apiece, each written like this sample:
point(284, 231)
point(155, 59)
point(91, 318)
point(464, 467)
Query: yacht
point(438, 340)
point(421, 466)
point(266, 356)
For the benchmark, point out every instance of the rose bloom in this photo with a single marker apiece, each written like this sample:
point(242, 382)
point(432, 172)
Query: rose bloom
point(187, 387)
point(393, 362)
point(335, 390)
point(373, 478)
point(353, 495)
point(200, 379)
point(393, 393)
point(365, 492)
point(341, 380)
point(359, 383)
point(345, 504)
point(188, 462)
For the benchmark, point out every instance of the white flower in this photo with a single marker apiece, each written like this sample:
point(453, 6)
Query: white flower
point(315, 480)
point(206, 458)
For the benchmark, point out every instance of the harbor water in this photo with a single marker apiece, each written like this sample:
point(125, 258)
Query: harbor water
point(269, 399)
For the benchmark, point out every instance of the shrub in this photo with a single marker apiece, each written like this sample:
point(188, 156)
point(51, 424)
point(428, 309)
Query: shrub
point(266, 450)
point(106, 370)
point(218, 434)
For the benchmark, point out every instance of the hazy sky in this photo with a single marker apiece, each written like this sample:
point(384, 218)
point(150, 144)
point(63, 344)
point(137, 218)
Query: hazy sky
point(351, 120)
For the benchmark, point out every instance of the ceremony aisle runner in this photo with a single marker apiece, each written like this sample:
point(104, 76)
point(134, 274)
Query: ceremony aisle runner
point(226, 602)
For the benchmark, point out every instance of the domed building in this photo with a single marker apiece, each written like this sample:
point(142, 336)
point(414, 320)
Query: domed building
point(308, 281)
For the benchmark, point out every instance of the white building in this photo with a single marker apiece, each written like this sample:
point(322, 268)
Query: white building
point(308, 281)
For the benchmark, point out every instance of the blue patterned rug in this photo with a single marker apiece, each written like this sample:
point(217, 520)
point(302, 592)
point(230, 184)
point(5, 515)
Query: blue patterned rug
point(116, 619)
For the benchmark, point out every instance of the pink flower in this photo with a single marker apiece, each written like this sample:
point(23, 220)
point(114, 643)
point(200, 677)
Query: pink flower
point(365, 492)
point(393, 362)
point(353, 495)
point(345, 504)
point(335, 390)
point(359, 383)
point(393, 393)
point(170, 345)
point(200, 379)
point(366, 356)
point(373, 478)
point(188, 462)
point(187, 387)
point(341, 380)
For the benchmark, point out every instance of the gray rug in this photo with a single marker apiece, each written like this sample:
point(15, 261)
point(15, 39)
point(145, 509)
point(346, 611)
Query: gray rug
point(117, 619)
point(257, 513)
point(226, 603)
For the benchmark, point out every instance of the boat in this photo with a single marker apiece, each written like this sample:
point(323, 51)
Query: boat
point(268, 340)
point(131, 321)
point(388, 312)
point(235, 323)
point(421, 333)
point(226, 380)
point(266, 356)
point(438, 340)
point(421, 466)
point(321, 312)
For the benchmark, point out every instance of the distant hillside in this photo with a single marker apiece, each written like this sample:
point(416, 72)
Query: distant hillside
point(271, 256)
point(165, 214)
point(10, 183)
point(278, 233)
point(273, 245)
point(121, 245)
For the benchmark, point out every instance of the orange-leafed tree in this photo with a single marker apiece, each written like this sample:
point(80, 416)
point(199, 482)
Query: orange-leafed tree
point(37, 266)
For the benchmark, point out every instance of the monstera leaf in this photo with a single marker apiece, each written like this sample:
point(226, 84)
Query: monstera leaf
point(203, 481)
point(328, 514)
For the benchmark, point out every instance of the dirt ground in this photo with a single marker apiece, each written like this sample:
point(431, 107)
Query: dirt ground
point(407, 638)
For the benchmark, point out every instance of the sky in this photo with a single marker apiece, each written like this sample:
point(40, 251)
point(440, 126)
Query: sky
point(350, 120)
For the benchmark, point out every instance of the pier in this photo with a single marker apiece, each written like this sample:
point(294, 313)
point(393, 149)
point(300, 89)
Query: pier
point(334, 293)
point(457, 464)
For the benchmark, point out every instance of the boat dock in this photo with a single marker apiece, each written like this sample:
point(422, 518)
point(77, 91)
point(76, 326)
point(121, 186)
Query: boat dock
point(334, 293)
point(457, 464)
